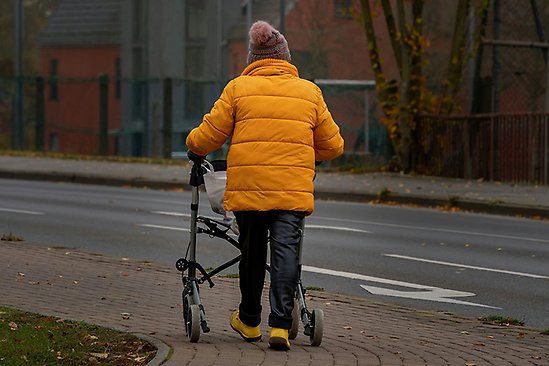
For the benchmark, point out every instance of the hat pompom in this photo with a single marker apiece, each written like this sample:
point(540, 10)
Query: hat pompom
point(261, 32)
point(266, 42)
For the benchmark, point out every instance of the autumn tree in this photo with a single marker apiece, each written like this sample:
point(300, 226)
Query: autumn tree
point(404, 98)
point(36, 13)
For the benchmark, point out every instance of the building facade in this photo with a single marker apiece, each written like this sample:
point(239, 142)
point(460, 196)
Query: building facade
point(80, 42)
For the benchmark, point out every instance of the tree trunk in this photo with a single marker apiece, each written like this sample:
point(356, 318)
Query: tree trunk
point(385, 91)
point(455, 66)
point(405, 116)
point(391, 27)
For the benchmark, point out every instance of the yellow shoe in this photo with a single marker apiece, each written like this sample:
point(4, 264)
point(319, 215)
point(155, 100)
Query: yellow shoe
point(279, 339)
point(250, 334)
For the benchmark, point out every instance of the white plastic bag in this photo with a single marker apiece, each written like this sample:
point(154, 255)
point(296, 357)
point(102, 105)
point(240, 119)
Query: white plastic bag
point(215, 182)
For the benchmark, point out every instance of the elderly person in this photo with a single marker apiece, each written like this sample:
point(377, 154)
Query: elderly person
point(280, 126)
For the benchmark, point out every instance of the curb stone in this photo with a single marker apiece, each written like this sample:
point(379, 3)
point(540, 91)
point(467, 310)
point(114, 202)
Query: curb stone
point(162, 349)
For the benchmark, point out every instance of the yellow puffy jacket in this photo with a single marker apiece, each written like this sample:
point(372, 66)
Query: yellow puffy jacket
point(279, 125)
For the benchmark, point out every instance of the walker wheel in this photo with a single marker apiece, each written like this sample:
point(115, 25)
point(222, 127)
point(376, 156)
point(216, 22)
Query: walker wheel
point(193, 323)
point(296, 315)
point(186, 304)
point(317, 325)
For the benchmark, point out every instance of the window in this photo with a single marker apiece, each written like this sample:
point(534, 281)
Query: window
point(343, 9)
point(197, 27)
point(54, 90)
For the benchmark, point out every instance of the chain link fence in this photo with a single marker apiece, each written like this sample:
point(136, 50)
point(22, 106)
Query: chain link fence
point(516, 66)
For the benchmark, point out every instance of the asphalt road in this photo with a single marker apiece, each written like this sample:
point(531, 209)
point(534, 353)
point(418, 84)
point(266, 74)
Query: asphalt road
point(468, 264)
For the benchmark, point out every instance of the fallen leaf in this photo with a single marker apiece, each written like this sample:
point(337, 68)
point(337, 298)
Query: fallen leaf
point(126, 315)
point(100, 355)
point(348, 327)
point(13, 326)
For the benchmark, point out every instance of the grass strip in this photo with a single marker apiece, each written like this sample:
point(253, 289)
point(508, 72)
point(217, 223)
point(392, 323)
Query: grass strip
point(33, 339)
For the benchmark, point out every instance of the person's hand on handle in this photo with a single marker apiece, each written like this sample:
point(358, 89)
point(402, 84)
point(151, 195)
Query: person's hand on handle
point(195, 158)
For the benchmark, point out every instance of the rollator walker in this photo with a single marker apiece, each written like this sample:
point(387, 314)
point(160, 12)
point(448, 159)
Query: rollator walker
point(193, 274)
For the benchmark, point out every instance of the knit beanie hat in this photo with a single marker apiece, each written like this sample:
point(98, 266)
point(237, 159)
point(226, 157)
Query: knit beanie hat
point(267, 42)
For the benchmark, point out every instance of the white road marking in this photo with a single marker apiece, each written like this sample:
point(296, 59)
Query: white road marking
point(428, 293)
point(321, 227)
point(436, 294)
point(177, 214)
point(21, 211)
point(435, 229)
point(164, 227)
point(522, 274)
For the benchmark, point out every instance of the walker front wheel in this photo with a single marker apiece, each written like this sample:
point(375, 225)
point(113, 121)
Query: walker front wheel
point(193, 323)
point(317, 327)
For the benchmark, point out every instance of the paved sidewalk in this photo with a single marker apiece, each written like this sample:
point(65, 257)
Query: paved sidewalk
point(94, 288)
point(492, 197)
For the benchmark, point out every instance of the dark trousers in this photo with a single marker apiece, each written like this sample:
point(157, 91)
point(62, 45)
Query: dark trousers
point(283, 230)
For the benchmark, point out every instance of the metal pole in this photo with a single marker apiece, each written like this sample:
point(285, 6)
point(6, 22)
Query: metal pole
point(539, 25)
point(282, 26)
point(546, 100)
point(219, 47)
point(18, 130)
point(40, 102)
point(546, 153)
point(249, 19)
point(471, 63)
point(496, 75)
point(103, 114)
point(496, 65)
point(168, 118)
point(366, 122)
